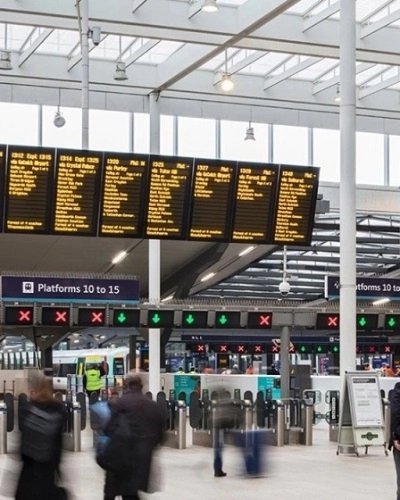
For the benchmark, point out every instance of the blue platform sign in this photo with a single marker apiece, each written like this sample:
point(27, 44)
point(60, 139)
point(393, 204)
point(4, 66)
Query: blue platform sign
point(51, 289)
point(366, 288)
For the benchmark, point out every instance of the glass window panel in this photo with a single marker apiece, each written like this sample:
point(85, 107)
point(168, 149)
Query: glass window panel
point(68, 136)
point(327, 154)
point(109, 130)
point(141, 133)
point(167, 135)
point(196, 137)
point(234, 147)
point(394, 160)
point(370, 158)
point(19, 124)
point(290, 145)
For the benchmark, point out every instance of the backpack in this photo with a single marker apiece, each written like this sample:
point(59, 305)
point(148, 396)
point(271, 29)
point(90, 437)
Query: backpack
point(40, 433)
point(116, 452)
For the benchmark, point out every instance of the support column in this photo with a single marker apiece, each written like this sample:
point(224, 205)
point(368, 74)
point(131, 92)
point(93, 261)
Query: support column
point(285, 365)
point(347, 186)
point(154, 259)
point(85, 72)
point(132, 352)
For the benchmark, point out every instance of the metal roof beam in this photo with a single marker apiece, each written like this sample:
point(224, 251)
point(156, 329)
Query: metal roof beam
point(291, 72)
point(73, 61)
point(373, 89)
point(312, 21)
point(327, 84)
point(140, 52)
point(26, 54)
point(136, 4)
point(378, 25)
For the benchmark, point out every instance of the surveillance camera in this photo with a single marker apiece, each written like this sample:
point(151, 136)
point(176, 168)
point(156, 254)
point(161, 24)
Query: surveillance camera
point(95, 33)
point(284, 288)
point(59, 120)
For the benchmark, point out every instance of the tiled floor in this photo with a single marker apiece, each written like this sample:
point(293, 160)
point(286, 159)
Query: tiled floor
point(293, 473)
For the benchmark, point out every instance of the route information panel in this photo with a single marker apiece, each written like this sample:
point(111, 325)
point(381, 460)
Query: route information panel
point(254, 203)
point(295, 205)
point(77, 192)
point(168, 197)
point(29, 189)
point(123, 192)
point(213, 183)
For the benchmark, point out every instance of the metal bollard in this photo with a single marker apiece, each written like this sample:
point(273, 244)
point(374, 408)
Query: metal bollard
point(280, 424)
point(76, 427)
point(3, 428)
point(307, 415)
point(181, 424)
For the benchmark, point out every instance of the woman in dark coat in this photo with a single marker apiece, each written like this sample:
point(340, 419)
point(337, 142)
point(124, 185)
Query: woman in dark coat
point(41, 425)
point(146, 426)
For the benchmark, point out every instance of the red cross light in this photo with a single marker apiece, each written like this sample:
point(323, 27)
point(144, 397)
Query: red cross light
point(97, 317)
point(258, 348)
point(61, 317)
point(371, 349)
point(200, 348)
point(223, 348)
point(275, 348)
point(265, 320)
point(24, 316)
point(387, 349)
point(333, 321)
point(240, 348)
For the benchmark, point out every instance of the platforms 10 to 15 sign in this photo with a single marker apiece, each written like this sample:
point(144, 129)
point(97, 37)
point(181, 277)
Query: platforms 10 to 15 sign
point(89, 193)
point(130, 317)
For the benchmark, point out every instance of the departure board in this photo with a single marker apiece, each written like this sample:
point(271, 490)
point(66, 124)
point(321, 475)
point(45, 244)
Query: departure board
point(213, 184)
point(78, 175)
point(123, 189)
point(28, 194)
point(254, 203)
point(168, 197)
point(295, 205)
point(3, 153)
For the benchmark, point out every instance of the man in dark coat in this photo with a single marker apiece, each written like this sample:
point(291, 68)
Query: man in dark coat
point(395, 432)
point(146, 426)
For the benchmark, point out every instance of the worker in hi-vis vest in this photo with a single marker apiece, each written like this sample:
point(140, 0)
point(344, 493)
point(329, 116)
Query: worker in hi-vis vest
point(92, 380)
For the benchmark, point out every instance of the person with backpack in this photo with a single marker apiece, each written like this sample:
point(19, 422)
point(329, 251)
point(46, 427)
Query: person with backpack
point(135, 428)
point(41, 424)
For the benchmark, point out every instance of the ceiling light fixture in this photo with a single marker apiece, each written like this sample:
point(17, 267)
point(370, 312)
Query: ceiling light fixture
point(378, 302)
point(120, 67)
point(207, 277)
point(250, 133)
point(209, 6)
point(247, 250)
point(119, 257)
point(59, 120)
point(337, 94)
point(226, 79)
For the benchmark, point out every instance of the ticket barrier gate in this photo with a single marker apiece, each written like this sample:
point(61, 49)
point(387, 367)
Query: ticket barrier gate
point(332, 398)
point(307, 415)
point(200, 419)
point(175, 435)
point(72, 433)
point(3, 428)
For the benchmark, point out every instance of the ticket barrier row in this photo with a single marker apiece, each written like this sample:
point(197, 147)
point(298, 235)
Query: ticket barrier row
point(174, 412)
point(6, 420)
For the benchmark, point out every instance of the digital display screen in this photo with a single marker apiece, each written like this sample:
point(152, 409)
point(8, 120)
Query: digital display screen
point(122, 200)
point(28, 194)
point(55, 316)
point(254, 203)
point(3, 153)
point(295, 205)
point(213, 184)
point(78, 175)
point(168, 197)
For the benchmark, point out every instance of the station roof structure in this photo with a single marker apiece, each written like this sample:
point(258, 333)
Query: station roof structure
point(283, 58)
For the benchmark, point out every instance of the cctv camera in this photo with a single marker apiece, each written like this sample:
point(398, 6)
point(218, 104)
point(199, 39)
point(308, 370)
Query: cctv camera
point(284, 288)
point(59, 120)
point(95, 33)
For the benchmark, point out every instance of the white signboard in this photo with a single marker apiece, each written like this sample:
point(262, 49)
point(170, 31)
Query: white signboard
point(367, 404)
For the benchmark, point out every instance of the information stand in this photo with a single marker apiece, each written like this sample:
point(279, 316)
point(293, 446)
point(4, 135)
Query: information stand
point(361, 418)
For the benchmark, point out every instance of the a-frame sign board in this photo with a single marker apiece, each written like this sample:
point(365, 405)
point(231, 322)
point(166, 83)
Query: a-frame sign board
point(361, 418)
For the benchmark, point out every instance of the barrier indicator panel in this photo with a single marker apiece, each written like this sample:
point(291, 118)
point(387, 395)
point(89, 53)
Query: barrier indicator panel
point(91, 316)
point(18, 315)
point(259, 320)
point(126, 318)
point(55, 316)
point(194, 319)
point(160, 318)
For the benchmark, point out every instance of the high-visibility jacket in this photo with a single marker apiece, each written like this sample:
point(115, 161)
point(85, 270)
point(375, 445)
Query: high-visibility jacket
point(93, 380)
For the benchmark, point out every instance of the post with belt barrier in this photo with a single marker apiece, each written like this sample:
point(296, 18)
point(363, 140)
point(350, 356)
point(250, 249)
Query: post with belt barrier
point(3, 428)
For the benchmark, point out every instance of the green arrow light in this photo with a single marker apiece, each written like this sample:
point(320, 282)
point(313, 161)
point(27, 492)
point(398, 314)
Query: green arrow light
point(189, 319)
point(303, 348)
point(223, 319)
point(335, 348)
point(319, 348)
point(121, 317)
point(155, 318)
point(391, 322)
point(362, 321)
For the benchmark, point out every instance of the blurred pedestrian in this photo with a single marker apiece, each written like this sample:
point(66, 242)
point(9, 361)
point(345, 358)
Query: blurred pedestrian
point(394, 441)
point(41, 422)
point(145, 427)
point(250, 370)
point(235, 370)
point(92, 380)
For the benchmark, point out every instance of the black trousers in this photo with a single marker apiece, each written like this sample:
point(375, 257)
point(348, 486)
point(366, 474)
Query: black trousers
point(396, 456)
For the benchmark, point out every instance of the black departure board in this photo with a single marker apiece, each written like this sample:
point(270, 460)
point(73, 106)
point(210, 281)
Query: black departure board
point(168, 197)
point(3, 155)
point(254, 203)
point(29, 188)
point(295, 205)
point(122, 197)
point(213, 184)
point(77, 185)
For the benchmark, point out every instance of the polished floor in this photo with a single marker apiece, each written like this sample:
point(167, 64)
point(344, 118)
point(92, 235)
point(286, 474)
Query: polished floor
point(292, 472)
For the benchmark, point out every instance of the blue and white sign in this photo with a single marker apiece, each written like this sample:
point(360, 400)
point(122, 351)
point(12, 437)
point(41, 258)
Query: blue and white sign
point(50, 289)
point(366, 288)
